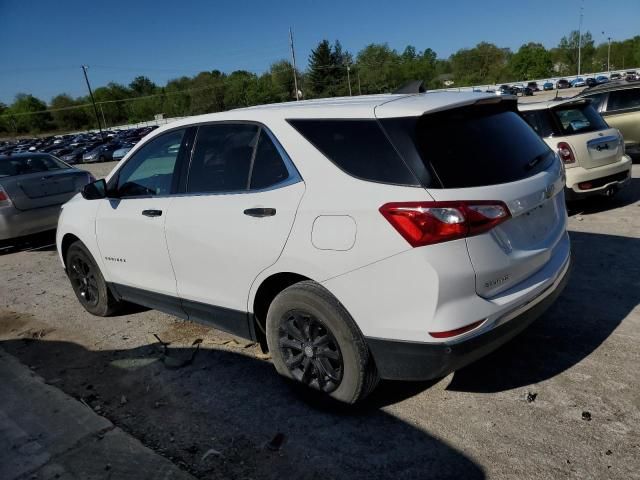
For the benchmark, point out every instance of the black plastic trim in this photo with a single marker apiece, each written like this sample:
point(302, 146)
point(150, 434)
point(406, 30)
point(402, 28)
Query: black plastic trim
point(235, 322)
point(399, 360)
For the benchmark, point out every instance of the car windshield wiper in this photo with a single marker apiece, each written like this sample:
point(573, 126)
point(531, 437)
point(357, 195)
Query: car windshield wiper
point(536, 160)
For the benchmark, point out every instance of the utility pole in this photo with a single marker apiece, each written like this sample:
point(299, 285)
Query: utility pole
point(609, 56)
point(349, 78)
point(580, 37)
point(293, 59)
point(104, 122)
point(95, 109)
point(359, 87)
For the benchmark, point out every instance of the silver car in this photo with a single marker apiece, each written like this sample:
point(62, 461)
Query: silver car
point(33, 186)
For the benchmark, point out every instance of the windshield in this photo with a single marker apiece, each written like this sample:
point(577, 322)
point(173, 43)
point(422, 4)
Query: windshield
point(22, 165)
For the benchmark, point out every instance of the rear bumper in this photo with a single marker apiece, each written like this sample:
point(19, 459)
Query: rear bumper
point(17, 223)
point(401, 360)
point(605, 178)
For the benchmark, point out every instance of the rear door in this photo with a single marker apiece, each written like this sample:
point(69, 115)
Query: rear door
point(232, 222)
point(622, 111)
point(490, 153)
point(40, 181)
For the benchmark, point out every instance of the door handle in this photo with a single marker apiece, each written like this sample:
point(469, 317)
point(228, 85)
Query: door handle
point(152, 213)
point(260, 212)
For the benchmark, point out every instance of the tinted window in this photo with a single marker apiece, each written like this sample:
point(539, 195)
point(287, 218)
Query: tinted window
point(478, 146)
point(10, 166)
point(539, 120)
point(358, 147)
point(268, 167)
point(150, 171)
point(578, 119)
point(623, 99)
point(222, 158)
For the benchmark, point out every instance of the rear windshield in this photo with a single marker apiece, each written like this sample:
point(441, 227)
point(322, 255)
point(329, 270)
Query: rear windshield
point(477, 146)
point(578, 119)
point(358, 147)
point(11, 166)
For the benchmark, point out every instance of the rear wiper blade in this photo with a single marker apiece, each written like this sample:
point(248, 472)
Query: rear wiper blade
point(536, 160)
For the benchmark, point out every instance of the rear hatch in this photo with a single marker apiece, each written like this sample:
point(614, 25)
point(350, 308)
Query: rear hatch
point(43, 184)
point(487, 152)
point(592, 141)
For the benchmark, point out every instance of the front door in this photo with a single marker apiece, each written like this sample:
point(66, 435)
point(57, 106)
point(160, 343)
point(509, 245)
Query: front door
point(241, 197)
point(130, 225)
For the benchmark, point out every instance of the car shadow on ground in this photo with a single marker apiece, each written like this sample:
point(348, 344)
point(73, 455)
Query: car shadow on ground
point(628, 195)
point(228, 415)
point(599, 296)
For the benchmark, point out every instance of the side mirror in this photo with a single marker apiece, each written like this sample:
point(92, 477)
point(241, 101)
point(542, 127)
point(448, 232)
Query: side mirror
point(95, 190)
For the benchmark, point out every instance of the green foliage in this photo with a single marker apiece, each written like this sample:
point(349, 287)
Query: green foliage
point(532, 60)
point(377, 68)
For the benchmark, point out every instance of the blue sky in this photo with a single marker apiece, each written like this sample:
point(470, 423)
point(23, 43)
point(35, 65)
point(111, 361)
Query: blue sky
point(43, 43)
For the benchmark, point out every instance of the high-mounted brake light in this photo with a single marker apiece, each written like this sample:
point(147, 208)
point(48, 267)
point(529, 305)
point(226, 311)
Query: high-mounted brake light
point(565, 152)
point(426, 223)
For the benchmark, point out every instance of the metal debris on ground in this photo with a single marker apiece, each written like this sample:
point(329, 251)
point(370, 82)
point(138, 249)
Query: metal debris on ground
point(530, 397)
point(210, 452)
point(175, 362)
point(586, 416)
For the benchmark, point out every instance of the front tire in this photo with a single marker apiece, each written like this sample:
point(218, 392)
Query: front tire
point(314, 341)
point(88, 283)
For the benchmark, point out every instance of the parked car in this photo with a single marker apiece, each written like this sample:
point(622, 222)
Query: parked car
point(602, 79)
point(631, 76)
point(521, 90)
point(562, 83)
point(318, 229)
point(591, 82)
point(506, 90)
point(547, 86)
point(616, 76)
point(102, 153)
point(578, 82)
point(32, 188)
point(533, 86)
point(592, 152)
point(619, 104)
point(121, 152)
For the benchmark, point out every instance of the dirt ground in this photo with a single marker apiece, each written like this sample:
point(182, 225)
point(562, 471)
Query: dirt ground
point(562, 400)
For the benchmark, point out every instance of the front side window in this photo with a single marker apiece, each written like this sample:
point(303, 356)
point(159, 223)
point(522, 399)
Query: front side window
point(578, 119)
point(151, 170)
point(624, 99)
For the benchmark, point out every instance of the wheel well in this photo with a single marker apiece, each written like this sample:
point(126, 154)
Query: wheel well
point(67, 240)
point(267, 291)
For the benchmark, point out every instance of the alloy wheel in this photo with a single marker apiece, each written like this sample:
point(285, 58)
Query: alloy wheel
point(310, 351)
point(84, 281)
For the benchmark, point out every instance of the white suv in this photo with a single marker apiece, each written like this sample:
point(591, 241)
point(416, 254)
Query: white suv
point(391, 236)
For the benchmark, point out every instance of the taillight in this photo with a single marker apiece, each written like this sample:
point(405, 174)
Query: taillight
point(565, 152)
point(457, 331)
point(426, 223)
point(4, 198)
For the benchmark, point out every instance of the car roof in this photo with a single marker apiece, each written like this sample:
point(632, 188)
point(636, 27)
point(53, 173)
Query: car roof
point(607, 87)
point(525, 107)
point(26, 155)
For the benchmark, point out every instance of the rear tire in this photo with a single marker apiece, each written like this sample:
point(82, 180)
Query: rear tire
point(314, 341)
point(88, 283)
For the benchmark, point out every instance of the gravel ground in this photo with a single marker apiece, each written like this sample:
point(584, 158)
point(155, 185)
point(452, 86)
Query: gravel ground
point(561, 400)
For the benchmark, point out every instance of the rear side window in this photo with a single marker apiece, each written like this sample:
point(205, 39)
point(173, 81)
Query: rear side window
point(480, 145)
point(578, 119)
point(624, 99)
point(268, 167)
point(358, 147)
point(222, 158)
point(539, 120)
point(596, 99)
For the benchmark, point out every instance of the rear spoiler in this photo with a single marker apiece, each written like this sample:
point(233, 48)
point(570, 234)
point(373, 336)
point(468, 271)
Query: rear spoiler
point(414, 86)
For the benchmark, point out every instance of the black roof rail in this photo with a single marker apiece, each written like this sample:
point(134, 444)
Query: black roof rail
point(414, 86)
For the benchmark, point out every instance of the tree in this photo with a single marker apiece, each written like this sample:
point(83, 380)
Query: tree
point(67, 113)
point(142, 86)
point(532, 60)
point(320, 77)
point(28, 114)
point(484, 64)
point(378, 67)
point(567, 52)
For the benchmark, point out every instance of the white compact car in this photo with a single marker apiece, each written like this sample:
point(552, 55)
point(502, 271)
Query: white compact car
point(392, 236)
point(592, 152)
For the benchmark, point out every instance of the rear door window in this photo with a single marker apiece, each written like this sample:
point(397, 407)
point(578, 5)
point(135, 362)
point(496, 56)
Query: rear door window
point(480, 145)
point(358, 147)
point(575, 119)
point(268, 167)
point(623, 99)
